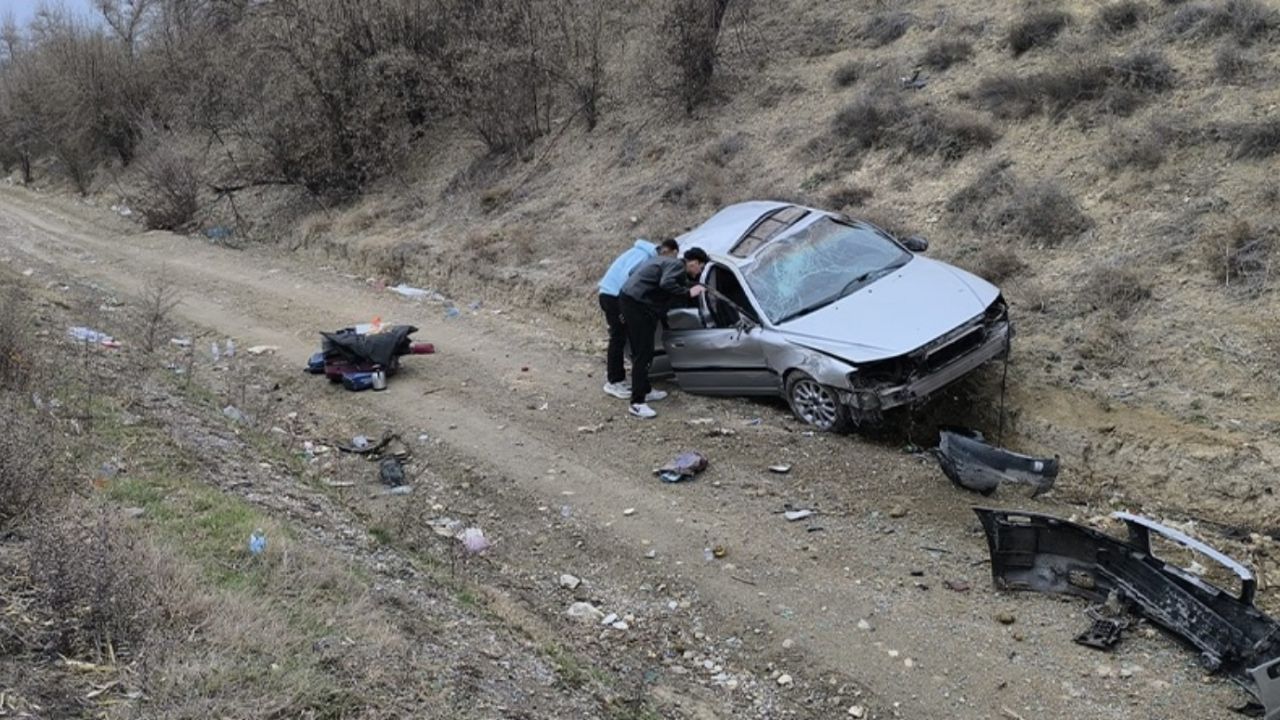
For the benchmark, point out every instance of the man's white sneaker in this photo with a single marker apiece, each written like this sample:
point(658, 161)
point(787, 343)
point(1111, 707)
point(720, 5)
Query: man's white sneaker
point(643, 411)
point(655, 395)
point(618, 390)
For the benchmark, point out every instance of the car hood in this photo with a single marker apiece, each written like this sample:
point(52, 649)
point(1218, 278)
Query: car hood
point(900, 312)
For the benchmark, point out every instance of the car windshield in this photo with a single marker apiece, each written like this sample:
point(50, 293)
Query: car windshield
point(818, 265)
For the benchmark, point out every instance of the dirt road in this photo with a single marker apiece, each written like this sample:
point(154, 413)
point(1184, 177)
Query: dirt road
point(850, 605)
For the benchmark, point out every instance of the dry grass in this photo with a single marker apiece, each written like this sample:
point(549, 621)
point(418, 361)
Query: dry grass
point(1042, 213)
point(1240, 255)
point(877, 120)
point(1107, 341)
point(847, 74)
point(886, 28)
point(1115, 288)
point(997, 264)
point(1234, 65)
point(1121, 16)
point(943, 53)
point(848, 196)
point(1257, 140)
point(1247, 21)
point(1037, 29)
point(1142, 149)
point(1118, 87)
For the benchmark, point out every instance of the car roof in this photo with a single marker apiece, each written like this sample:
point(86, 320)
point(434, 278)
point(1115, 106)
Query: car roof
point(722, 231)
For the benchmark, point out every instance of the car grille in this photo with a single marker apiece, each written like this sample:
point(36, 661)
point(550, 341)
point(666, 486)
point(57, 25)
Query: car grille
point(955, 348)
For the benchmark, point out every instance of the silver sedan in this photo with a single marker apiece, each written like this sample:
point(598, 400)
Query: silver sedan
point(834, 315)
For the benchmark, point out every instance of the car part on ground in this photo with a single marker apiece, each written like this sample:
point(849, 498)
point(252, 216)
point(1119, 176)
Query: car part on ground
point(1031, 551)
point(835, 315)
point(974, 464)
point(685, 466)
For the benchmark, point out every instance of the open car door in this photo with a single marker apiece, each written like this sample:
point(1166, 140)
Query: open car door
point(714, 348)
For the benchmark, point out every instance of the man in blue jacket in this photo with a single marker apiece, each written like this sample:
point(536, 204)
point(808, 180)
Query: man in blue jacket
point(610, 286)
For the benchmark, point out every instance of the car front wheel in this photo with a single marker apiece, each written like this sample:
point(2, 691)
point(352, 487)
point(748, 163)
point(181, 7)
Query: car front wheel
point(816, 404)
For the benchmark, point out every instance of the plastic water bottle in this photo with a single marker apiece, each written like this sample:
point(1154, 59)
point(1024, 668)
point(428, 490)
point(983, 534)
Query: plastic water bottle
point(257, 542)
point(213, 350)
point(231, 348)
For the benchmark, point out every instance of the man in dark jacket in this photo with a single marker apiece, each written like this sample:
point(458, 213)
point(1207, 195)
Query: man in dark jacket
point(652, 289)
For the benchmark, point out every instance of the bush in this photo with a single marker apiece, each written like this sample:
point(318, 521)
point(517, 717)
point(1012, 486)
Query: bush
point(997, 264)
point(1140, 149)
point(847, 74)
point(1036, 30)
point(1257, 140)
point(1245, 20)
point(886, 28)
point(848, 196)
point(169, 188)
point(1114, 288)
point(86, 568)
point(1121, 16)
point(1045, 213)
point(943, 53)
point(26, 461)
point(879, 120)
point(1120, 87)
point(971, 205)
point(1233, 65)
point(1240, 255)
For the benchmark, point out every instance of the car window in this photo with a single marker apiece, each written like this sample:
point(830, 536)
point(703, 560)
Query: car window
point(767, 229)
point(819, 265)
point(727, 298)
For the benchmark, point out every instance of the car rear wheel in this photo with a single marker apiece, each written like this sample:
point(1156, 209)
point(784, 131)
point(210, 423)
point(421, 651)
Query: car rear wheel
point(816, 404)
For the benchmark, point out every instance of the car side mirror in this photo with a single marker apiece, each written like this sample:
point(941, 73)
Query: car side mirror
point(916, 244)
point(684, 319)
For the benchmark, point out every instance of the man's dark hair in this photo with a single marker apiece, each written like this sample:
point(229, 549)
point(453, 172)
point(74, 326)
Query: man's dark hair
point(669, 244)
point(696, 253)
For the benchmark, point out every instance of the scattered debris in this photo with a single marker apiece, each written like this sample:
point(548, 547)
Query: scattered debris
point(752, 421)
point(28, 272)
point(446, 527)
point(898, 511)
point(263, 349)
point(180, 342)
point(412, 293)
point(1032, 551)
point(257, 542)
point(1103, 633)
point(794, 515)
point(629, 512)
point(233, 413)
point(781, 469)
point(451, 312)
point(591, 429)
point(391, 472)
point(956, 585)
point(685, 466)
point(971, 463)
point(401, 490)
point(474, 541)
point(721, 432)
point(91, 336)
point(353, 355)
point(585, 612)
point(857, 711)
point(700, 421)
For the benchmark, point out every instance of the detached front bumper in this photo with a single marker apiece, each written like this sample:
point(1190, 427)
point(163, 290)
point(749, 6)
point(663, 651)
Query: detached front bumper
point(921, 386)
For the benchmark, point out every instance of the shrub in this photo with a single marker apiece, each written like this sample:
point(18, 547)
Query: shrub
point(1121, 16)
point(945, 52)
point(885, 28)
point(1245, 20)
point(86, 569)
point(885, 121)
point(1114, 288)
point(169, 187)
point(1258, 140)
point(1140, 149)
point(1036, 30)
point(997, 264)
point(848, 196)
point(971, 205)
point(1232, 65)
point(1119, 86)
point(1045, 213)
point(1240, 255)
point(26, 461)
point(847, 74)
point(1107, 341)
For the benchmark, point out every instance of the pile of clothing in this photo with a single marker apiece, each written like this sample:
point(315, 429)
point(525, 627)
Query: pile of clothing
point(362, 357)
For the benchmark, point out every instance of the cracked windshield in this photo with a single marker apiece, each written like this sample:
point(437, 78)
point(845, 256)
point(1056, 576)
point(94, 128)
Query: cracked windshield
point(819, 265)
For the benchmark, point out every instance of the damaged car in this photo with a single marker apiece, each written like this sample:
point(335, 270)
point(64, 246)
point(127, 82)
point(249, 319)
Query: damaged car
point(1032, 551)
point(835, 315)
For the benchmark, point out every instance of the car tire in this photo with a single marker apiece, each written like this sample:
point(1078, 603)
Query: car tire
point(816, 404)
